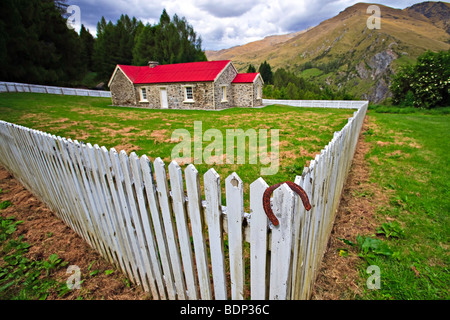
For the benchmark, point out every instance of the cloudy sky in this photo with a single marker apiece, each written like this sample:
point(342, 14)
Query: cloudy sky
point(225, 23)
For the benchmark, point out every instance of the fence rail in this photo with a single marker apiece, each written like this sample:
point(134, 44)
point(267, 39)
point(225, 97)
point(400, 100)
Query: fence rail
point(165, 235)
point(23, 87)
point(337, 104)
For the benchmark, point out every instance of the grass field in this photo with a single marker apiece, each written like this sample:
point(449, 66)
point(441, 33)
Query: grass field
point(409, 160)
point(303, 132)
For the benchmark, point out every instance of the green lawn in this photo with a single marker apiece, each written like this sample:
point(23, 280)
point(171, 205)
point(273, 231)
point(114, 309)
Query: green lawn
point(409, 159)
point(303, 131)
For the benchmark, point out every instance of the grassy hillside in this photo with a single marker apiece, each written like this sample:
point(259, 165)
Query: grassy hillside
point(348, 54)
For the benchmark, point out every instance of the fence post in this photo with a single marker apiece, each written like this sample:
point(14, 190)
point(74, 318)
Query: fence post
point(282, 240)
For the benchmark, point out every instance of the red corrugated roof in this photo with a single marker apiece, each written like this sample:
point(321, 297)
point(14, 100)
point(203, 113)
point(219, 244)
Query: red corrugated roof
point(131, 72)
point(245, 78)
point(180, 72)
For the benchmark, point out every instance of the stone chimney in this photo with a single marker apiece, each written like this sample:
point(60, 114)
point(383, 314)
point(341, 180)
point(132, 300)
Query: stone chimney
point(153, 64)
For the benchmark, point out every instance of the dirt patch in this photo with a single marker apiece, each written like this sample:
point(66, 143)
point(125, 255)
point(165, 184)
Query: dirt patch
point(127, 147)
point(47, 234)
point(160, 136)
point(338, 276)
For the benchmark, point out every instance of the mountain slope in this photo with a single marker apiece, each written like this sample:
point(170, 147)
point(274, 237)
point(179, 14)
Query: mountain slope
point(343, 53)
point(253, 49)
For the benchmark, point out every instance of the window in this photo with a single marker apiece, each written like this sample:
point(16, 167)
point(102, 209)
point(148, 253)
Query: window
point(258, 92)
point(188, 94)
point(224, 94)
point(144, 94)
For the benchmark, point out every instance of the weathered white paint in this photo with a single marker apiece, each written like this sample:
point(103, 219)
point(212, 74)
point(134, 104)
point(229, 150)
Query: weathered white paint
point(235, 215)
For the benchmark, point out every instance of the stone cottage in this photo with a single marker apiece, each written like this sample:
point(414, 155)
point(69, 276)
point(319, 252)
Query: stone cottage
point(197, 85)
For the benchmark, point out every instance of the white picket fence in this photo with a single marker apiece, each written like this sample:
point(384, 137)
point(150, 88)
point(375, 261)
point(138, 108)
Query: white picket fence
point(160, 231)
point(336, 104)
point(23, 87)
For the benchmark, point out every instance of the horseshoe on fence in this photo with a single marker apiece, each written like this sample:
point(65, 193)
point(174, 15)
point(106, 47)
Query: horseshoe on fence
point(266, 199)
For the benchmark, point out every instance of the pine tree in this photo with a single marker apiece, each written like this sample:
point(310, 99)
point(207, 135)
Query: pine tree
point(266, 72)
point(36, 45)
point(169, 41)
point(87, 47)
point(251, 69)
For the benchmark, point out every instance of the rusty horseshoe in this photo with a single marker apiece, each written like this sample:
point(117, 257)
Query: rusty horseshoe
point(266, 199)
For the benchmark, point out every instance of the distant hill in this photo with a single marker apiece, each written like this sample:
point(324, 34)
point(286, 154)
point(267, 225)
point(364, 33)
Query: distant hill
point(342, 52)
point(251, 49)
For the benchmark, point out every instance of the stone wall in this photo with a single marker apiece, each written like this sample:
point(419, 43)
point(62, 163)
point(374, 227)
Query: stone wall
point(225, 79)
point(122, 90)
point(202, 93)
point(243, 95)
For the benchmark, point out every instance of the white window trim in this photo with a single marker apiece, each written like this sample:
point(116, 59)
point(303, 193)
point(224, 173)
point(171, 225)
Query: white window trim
point(258, 91)
point(186, 100)
point(224, 93)
point(142, 96)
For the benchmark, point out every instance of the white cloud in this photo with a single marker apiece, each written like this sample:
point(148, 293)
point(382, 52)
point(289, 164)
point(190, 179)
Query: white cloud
point(223, 24)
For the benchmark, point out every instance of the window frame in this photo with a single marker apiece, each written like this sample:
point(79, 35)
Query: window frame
point(259, 91)
point(224, 93)
point(186, 99)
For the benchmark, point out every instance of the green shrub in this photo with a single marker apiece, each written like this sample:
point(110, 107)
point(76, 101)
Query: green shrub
point(425, 84)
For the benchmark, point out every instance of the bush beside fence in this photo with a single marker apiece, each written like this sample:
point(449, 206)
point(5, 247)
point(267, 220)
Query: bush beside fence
point(160, 231)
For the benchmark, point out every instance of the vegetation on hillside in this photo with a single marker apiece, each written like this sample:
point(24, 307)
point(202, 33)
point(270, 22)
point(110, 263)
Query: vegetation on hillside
point(286, 85)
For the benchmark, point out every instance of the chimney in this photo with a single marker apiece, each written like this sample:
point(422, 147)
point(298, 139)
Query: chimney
point(153, 64)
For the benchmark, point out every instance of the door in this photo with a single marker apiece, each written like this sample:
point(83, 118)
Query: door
point(164, 102)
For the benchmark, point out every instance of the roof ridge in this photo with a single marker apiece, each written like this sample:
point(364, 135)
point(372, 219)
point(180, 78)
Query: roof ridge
point(178, 72)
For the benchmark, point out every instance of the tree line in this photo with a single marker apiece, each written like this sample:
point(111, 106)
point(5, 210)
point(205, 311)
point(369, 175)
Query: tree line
point(36, 46)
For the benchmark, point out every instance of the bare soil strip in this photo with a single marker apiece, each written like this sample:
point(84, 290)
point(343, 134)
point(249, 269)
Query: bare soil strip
point(339, 277)
point(47, 234)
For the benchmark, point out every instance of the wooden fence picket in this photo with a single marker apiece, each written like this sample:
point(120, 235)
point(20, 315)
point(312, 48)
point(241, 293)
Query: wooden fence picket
point(258, 241)
point(235, 216)
point(179, 208)
point(152, 198)
point(214, 220)
point(199, 234)
point(125, 219)
point(282, 241)
point(169, 227)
